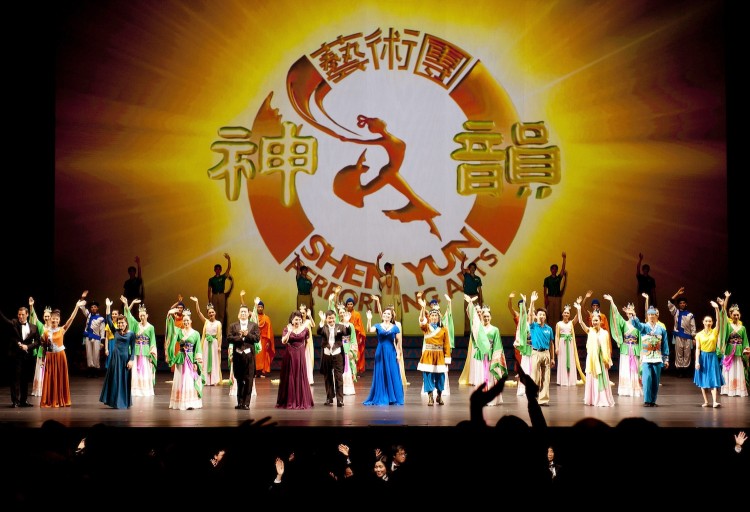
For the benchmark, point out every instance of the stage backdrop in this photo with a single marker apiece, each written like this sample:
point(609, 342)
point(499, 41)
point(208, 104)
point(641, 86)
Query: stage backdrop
point(506, 131)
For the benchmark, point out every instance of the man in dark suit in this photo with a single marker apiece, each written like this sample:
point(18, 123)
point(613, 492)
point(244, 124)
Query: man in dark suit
point(24, 338)
point(244, 340)
point(332, 360)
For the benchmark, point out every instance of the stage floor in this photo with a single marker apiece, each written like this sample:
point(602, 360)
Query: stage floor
point(679, 405)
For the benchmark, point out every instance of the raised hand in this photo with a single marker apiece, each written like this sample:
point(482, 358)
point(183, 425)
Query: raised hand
point(369, 315)
point(256, 300)
point(108, 301)
point(194, 299)
point(321, 315)
point(31, 302)
point(589, 293)
point(534, 296)
point(448, 298)
point(607, 297)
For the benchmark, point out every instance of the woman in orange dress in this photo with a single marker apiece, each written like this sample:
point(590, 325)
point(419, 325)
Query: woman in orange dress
point(56, 386)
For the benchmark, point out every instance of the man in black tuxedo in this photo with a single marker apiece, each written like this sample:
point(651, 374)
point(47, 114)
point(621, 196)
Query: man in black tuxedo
point(244, 339)
point(332, 360)
point(24, 338)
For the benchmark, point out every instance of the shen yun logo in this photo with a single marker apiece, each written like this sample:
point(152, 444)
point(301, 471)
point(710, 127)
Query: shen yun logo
point(402, 143)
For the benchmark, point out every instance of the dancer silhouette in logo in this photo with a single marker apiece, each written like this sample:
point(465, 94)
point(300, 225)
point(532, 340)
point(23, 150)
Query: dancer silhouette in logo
point(348, 186)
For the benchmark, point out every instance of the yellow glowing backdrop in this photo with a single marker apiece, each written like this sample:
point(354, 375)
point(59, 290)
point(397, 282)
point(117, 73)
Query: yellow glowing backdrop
point(594, 128)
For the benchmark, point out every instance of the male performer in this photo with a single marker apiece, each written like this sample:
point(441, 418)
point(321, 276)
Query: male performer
point(654, 354)
point(24, 338)
point(217, 292)
point(264, 358)
point(244, 336)
point(332, 360)
point(93, 336)
point(683, 335)
point(542, 350)
point(554, 289)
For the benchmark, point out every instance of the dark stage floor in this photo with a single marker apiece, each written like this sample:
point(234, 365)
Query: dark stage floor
point(679, 406)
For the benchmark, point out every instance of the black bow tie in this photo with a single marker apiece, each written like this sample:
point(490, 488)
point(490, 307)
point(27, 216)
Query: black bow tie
point(22, 325)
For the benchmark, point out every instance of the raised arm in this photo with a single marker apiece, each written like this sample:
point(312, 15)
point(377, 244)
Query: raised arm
point(512, 311)
point(534, 296)
point(141, 287)
point(377, 304)
point(463, 261)
point(564, 274)
point(638, 265)
point(577, 305)
point(370, 327)
point(297, 264)
point(198, 308)
point(377, 265)
point(229, 264)
point(80, 303)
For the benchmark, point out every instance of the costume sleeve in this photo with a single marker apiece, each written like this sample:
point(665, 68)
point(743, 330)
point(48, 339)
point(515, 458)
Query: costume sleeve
point(478, 335)
point(132, 322)
point(448, 323)
point(618, 326)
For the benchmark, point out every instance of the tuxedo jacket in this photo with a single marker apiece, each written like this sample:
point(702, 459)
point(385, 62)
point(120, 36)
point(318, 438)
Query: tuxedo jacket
point(12, 341)
point(241, 342)
point(338, 337)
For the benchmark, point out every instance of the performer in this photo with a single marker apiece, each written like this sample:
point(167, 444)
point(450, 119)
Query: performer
point(176, 318)
point(598, 360)
point(568, 362)
point(304, 285)
point(36, 386)
point(93, 334)
point(707, 367)
point(185, 353)
point(267, 352)
point(211, 337)
point(472, 287)
point(20, 348)
point(308, 322)
point(389, 286)
point(554, 289)
point(116, 391)
point(654, 354)
point(217, 292)
point(359, 328)
point(144, 366)
point(446, 318)
point(244, 338)
point(628, 340)
point(294, 389)
point(386, 387)
point(542, 350)
point(56, 386)
point(683, 333)
point(436, 354)
point(734, 349)
point(333, 356)
point(350, 341)
point(522, 341)
point(399, 342)
point(489, 345)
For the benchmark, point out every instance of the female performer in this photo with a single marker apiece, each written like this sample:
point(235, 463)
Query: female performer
point(386, 388)
point(116, 391)
point(210, 343)
point(294, 388)
point(144, 366)
point(56, 385)
point(185, 354)
point(707, 367)
point(597, 389)
point(628, 339)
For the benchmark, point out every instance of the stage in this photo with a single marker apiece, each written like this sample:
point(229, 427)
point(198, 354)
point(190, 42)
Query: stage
point(679, 405)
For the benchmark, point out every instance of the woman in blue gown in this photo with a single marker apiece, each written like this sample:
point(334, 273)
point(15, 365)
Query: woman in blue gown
point(116, 390)
point(387, 388)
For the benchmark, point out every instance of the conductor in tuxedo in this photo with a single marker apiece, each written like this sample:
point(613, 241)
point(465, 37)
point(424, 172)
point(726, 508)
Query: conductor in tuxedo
point(332, 360)
point(244, 336)
point(24, 338)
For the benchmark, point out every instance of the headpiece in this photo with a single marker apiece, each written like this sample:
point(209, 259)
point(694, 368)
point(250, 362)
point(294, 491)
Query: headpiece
point(180, 303)
point(209, 306)
point(595, 302)
point(47, 309)
point(435, 310)
point(566, 307)
point(485, 309)
point(340, 305)
point(260, 303)
point(349, 300)
point(630, 306)
point(434, 301)
point(652, 311)
point(186, 312)
point(141, 308)
point(733, 307)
